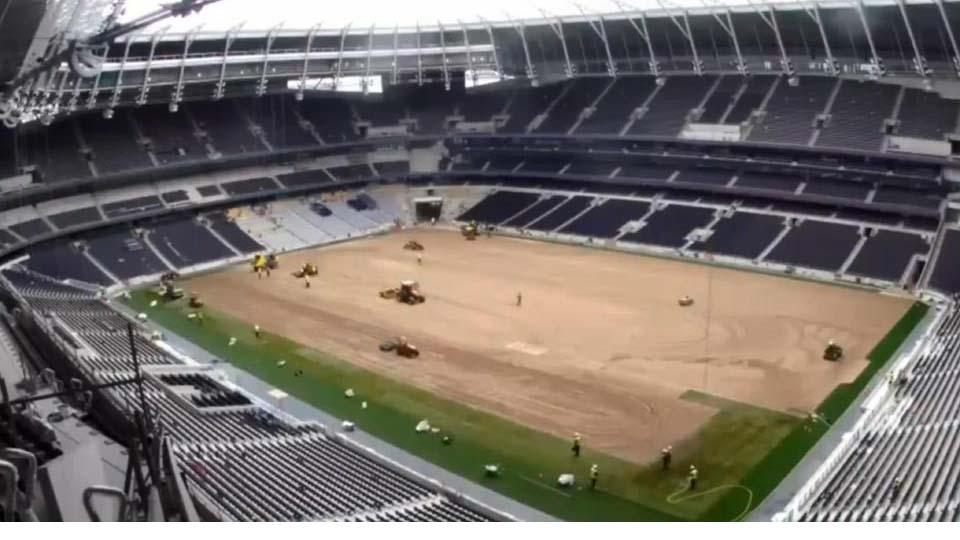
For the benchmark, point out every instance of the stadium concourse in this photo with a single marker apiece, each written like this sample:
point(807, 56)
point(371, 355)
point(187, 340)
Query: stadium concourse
point(154, 163)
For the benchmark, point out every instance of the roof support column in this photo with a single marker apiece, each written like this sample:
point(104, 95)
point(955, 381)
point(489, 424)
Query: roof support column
point(953, 39)
point(879, 69)
point(115, 98)
point(443, 58)
point(271, 37)
point(786, 65)
point(731, 31)
point(531, 73)
point(919, 62)
point(145, 85)
point(466, 45)
point(396, 48)
point(177, 96)
point(95, 91)
point(556, 24)
point(601, 30)
point(306, 60)
point(229, 36)
point(343, 41)
point(493, 46)
point(685, 31)
point(419, 58)
point(644, 34)
point(366, 76)
point(833, 67)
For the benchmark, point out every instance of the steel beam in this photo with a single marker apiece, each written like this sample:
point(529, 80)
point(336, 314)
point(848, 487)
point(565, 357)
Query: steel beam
point(786, 65)
point(177, 96)
point(271, 37)
point(306, 59)
point(228, 38)
point(493, 47)
point(600, 29)
point(115, 98)
point(728, 27)
point(879, 69)
point(919, 62)
point(556, 24)
point(343, 41)
point(144, 87)
point(366, 76)
point(684, 29)
point(953, 39)
point(466, 44)
point(443, 58)
point(396, 48)
point(419, 58)
point(522, 31)
point(644, 35)
point(813, 11)
point(95, 91)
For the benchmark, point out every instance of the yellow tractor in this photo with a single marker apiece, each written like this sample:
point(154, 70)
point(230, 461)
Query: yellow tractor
point(401, 346)
point(469, 230)
point(408, 293)
point(413, 245)
point(308, 270)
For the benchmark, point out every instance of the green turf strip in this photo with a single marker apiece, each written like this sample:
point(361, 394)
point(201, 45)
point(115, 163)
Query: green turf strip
point(738, 445)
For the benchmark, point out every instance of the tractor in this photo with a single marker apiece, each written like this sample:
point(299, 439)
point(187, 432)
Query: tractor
point(168, 289)
point(308, 270)
point(408, 293)
point(195, 301)
point(833, 352)
point(469, 230)
point(413, 245)
point(273, 262)
point(401, 346)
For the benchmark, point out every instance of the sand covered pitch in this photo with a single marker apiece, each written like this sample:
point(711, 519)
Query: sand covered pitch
point(600, 345)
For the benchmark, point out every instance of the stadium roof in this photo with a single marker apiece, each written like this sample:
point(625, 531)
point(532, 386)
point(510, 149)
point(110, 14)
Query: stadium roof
point(258, 15)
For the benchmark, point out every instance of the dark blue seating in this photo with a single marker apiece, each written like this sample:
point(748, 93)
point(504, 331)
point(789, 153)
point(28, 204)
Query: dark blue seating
point(527, 103)
point(250, 185)
point(837, 189)
point(303, 178)
point(392, 168)
point(131, 206)
point(63, 261)
point(886, 255)
point(173, 197)
point(605, 220)
point(908, 197)
point(592, 168)
point(7, 239)
point(31, 228)
point(774, 182)
point(562, 214)
point(645, 171)
point(184, 243)
point(234, 235)
point(72, 218)
point(720, 99)
point(535, 211)
point(670, 226)
point(124, 255)
point(211, 190)
point(499, 206)
point(712, 177)
point(614, 110)
point(351, 172)
point(750, 99)
point(816, 244)
point(743, 234)
point(544, 164)
point(945, 277)
point(568, 108)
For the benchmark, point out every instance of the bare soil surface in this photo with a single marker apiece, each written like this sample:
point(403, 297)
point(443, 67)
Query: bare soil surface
point(599, 346)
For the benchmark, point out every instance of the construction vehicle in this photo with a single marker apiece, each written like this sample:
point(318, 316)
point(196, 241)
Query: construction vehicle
point(413, 245)
point(408, 293)
point(263, 262)
point(273, 262)
point(469, 230)
point(401, 346)
point(308, 270)
point(195, 301)
point(833, 352)
point(169, 291)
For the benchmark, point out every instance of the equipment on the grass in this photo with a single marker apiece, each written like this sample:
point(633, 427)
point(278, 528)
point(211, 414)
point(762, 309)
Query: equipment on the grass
point(168, 290)
point(263, 262)
point(273, 262)
point(685, 301)
point(308, 269)
point(401, 346)
point(833, 352)
point(413, 245)
point(469, 230)
point(195, 301)
point(408, 293)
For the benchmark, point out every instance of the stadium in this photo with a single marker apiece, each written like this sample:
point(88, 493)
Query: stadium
point(651, 261)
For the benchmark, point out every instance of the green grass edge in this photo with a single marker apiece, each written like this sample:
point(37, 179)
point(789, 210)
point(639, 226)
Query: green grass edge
point(777, 464)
